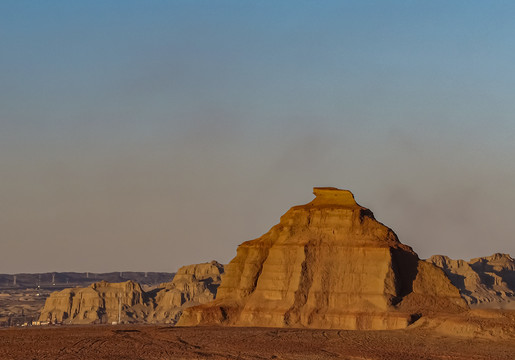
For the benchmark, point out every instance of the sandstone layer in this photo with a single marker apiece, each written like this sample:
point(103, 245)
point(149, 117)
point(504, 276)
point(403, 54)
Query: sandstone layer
point(100, 302)
point(327, 264)
point(487, 282)
point(192, 285)
point(104, 302)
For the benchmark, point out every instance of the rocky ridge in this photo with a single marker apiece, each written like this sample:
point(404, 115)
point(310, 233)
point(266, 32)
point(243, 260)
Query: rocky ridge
point(105, 302)
point(192, 285)
point(327, 264)
point(487, 282)
point(60, 280)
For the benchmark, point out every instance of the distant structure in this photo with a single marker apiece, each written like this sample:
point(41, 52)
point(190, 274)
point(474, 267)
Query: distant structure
point(53, 279)
point(14, 280)
point(119, 308)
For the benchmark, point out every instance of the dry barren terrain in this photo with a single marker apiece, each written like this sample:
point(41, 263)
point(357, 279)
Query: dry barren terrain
point(155, 342)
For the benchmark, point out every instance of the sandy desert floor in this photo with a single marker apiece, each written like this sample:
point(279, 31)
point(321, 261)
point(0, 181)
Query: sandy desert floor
point(158, 342)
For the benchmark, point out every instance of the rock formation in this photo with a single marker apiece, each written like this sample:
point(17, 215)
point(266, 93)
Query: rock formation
point(98, 303)
point(487, 282)
point(327, 264)
point(104, 302)
point(192, 285)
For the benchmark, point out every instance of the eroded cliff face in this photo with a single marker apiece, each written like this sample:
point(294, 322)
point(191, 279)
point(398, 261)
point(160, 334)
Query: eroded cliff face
point(192, 285)
point(99, 303)
point(487, 282)
point(105, 302)
point(327, 264)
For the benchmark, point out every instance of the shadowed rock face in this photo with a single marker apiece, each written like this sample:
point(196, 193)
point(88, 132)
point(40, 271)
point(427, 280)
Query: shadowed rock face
point(327, 264)
point(487, 282)
point(105, 302)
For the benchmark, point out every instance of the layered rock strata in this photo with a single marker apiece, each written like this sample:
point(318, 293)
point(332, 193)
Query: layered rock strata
point(487, 282)
point(100, 302)
point(327, 264)
point(192, 285)
point(104, 302)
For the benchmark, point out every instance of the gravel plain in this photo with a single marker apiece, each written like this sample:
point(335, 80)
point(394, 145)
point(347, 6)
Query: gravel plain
point(162, 342)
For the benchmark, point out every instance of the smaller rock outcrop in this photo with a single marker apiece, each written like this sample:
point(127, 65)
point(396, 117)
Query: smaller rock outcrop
point(192, 285)
point(100, 302)
point(483, 282)
point(104, 302)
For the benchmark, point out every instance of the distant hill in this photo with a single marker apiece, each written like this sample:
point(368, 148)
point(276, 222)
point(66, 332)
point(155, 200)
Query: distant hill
point(60, 280)
point(486, 282)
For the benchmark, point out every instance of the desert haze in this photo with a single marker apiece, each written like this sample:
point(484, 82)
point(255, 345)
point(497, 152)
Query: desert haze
point(172, 179)
point(328, 281)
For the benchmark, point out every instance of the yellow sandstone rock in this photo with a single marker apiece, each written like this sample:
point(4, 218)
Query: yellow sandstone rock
point(192, 285)
point(105, 302)
point(98, 303)
point(486, 282)
point(327, 264)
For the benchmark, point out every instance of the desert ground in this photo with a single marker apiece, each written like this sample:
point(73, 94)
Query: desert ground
point(18, 306)
point(166, 342)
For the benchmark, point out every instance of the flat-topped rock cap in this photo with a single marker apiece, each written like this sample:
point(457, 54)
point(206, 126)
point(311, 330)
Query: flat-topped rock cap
point(333, 196)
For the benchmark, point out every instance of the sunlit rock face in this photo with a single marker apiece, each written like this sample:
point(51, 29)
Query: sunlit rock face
point(105, 302)
point(101, 302)
point(486, 282)
point(327, 264)
point(192, 285)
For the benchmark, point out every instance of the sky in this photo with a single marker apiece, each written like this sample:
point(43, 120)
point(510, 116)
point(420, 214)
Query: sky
point(146, 135)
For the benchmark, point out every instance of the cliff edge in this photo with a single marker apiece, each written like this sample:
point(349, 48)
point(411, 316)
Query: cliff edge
point(126, 302)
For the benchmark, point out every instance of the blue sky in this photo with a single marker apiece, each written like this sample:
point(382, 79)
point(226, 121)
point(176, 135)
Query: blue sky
point(168, 132)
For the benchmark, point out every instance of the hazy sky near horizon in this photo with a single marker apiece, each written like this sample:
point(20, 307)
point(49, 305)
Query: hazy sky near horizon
point(145, 135)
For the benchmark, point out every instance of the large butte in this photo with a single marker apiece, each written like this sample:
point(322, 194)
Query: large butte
point(327, 264)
